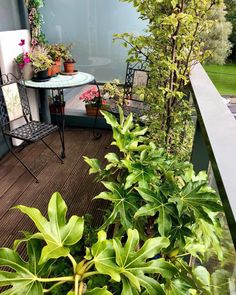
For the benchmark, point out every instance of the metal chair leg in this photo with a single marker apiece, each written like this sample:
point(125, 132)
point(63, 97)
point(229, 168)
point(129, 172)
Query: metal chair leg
point(14, 154)
point(52, 151)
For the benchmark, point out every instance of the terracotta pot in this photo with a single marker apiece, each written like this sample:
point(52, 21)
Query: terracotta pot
point(69, 67)
point(91, 110)
point(58, 66)
point(53, 71)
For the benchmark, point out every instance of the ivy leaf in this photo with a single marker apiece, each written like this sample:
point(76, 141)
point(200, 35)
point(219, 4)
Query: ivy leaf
point(57, 234)
point(23, 280)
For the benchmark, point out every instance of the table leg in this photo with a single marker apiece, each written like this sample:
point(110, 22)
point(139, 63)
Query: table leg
point(59, 104)
point(44, 108)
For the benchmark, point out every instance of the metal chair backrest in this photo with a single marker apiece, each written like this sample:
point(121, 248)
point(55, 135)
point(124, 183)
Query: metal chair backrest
point(136, 76)
point(14, 103)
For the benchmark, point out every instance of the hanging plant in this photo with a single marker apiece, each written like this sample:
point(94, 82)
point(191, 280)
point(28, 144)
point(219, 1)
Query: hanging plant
point(35, 20)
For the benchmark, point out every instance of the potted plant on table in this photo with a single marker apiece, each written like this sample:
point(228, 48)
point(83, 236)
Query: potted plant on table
point(56, 51)
point(41, 62)
point(69, 62)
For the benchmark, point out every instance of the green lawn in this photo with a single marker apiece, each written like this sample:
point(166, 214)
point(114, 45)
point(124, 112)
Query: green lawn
point(224, 77)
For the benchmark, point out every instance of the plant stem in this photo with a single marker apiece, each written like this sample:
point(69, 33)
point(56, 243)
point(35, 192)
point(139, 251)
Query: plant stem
point(81, 287)
point(74, 263)
point(59, 279)
point(91, 273)
point(77, 284)
point(54, 286)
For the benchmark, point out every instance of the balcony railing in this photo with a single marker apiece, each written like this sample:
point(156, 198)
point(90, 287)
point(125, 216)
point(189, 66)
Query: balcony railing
point(218, 131)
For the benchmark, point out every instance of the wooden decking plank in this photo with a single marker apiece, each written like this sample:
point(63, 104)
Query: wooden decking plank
point(15, 170)
point(54, 179)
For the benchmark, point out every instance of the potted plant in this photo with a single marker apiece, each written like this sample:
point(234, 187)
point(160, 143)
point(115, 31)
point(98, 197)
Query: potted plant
point(23, 62)
point(91, 98)
point(41, 62)
point(56, 52)
point(69, 62)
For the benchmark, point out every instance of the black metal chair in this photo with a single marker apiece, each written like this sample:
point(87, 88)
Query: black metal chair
point(137, 75)
point(14, 104)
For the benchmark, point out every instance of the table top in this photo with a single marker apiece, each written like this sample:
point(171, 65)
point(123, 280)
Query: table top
point(62, 81)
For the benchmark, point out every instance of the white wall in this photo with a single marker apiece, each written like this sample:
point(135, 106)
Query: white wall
point(9, 49)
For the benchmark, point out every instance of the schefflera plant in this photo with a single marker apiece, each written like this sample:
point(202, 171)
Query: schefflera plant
point(125, 262)
point(156, 193)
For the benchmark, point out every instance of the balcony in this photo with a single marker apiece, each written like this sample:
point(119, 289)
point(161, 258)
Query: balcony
point(214, 146)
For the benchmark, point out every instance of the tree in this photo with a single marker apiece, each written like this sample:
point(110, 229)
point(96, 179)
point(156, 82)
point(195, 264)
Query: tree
point(218, 37)
point(171, 44)
point(231, 17)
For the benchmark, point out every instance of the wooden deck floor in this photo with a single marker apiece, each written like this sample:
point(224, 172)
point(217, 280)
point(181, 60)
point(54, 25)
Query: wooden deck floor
point(71, 179)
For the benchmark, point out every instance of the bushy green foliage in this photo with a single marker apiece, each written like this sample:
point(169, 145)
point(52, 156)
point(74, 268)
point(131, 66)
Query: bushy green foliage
point(145, 255)
point(218, 37)
point(171, 44)
point(231, 17)
point(154, 192)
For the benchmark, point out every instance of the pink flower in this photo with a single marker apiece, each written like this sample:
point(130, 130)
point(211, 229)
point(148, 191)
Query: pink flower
point(22, 42)
point(90, 95)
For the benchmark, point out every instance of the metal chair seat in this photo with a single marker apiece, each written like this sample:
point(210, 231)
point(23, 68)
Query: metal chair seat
point(14, 105)
point(32, 131)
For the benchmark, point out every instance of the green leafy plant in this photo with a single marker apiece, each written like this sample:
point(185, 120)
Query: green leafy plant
point(56, 51)
point(127, 263)
point(36, 21)
point(40, 58)
point(156, 194)
point(170, 46)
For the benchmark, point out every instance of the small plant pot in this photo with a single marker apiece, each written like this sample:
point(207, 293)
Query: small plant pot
point(58, 66)
point(69, 67)
point(91, 110)
point(53, 71)
point(41, 76)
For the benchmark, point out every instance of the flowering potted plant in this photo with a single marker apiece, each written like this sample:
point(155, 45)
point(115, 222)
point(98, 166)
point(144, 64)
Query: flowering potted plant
point(41, 62)
point(91, 97)
point(23, 62)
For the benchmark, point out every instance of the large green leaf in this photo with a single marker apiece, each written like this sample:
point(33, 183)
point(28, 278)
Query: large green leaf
point(134, 264)
point(24, 279)
point(156, 203)
point(124, 204)
point(196, 196)
point(104, 257)
point(57, 234)
point(178, 286)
